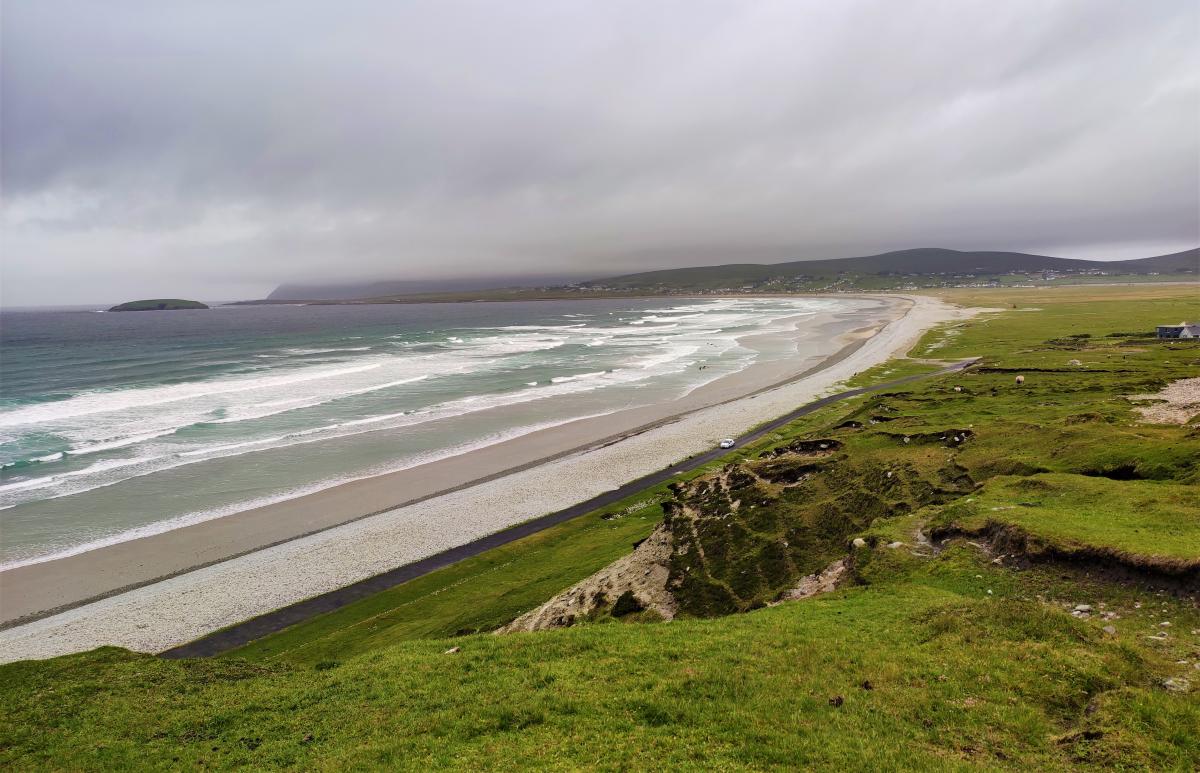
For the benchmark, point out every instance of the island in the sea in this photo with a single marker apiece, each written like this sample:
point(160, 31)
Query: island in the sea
point(159, 304)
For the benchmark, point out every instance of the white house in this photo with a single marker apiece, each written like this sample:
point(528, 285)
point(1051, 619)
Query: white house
point(1182, 330)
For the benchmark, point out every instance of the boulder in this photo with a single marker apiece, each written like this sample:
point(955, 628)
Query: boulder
point(1177, 684)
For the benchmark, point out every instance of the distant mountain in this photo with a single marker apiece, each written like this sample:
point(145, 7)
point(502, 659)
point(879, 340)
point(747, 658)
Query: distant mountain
point(1184, 262)
point(920, 262)
point(382, 289)
point(922, 267)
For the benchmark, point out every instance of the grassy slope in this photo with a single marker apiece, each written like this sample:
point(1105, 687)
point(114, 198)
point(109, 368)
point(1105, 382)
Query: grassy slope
point(478, 594)
point(960, 676)
point(1136, 518)
point(957, 676)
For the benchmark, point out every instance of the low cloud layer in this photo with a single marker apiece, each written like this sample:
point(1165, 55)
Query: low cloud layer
point(214, 149)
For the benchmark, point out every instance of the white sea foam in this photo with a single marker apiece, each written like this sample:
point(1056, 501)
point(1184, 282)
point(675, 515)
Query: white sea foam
point(578, 377)
point(112, 445)
point(138, 467)
point(335, 350)
point(524, 328)
point(49, 480)
point(284, 406)
point(188, 519)
point(90, 403)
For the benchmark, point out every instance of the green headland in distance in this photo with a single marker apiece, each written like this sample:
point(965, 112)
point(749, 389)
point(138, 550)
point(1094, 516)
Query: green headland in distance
point(159, 304)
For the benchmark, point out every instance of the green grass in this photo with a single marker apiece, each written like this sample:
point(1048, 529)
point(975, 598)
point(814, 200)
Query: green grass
point(477, 594)
point(958, 679)
point(971, 664)
point(892, 370)
point(1142, 519)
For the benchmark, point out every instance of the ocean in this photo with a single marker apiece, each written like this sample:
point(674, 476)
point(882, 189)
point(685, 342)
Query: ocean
point(118, 425)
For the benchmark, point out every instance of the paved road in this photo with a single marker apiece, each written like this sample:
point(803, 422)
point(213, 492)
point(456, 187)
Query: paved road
point(242, 633)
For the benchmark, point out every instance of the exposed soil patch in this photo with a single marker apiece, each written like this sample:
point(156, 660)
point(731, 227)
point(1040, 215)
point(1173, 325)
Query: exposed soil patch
point(829, 579)
point(822, 447)
point(950, 437)
point(1117, 472)
point(751, 533)
point(1177, 403)
point(786, 471)
point(635, 583)
point(1090, 417)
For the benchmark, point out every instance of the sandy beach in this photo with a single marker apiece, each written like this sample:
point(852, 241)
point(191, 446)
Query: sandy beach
point(309, 545)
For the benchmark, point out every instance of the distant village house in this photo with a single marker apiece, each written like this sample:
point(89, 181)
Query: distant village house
point(1182, 330)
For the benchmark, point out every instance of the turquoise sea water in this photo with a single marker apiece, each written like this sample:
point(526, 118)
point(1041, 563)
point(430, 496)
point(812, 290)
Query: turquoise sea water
point(114, 425)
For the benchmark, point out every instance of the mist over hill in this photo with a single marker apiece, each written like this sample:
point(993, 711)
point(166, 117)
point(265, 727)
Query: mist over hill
point(889, 267)
point(920, 267)
point(384, 288)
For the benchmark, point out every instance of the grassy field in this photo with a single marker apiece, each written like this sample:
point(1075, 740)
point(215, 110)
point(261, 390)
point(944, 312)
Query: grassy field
point(939, 657)
point(478, 594)
point(1138, 519)
point(957, 677)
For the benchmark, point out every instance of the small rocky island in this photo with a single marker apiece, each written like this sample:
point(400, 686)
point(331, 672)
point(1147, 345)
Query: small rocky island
point(159, 304)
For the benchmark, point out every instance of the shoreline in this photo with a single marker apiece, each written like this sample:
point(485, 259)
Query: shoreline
point(238, 634)
point(164, 613)
point(38, 589)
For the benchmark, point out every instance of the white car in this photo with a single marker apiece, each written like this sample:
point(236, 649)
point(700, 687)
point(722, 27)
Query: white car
point(727, 443)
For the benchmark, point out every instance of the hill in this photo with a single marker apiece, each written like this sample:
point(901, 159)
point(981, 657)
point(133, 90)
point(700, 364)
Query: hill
point(915, 267)
point(159, 304)
point(384, 289)
point(924, 267)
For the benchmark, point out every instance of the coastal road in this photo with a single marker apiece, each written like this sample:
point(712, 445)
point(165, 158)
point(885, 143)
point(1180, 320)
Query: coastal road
point(255, 628)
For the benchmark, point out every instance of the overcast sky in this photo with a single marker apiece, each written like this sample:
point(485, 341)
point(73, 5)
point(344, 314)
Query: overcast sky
point(214, 149)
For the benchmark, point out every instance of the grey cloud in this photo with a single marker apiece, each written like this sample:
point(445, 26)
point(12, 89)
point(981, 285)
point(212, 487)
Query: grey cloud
point(215, 148)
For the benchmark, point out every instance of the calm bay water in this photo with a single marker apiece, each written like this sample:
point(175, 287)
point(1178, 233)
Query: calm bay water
point(114, 425)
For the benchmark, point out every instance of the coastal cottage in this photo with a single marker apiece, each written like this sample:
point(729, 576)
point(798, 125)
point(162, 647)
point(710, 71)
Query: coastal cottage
point(1182, 330)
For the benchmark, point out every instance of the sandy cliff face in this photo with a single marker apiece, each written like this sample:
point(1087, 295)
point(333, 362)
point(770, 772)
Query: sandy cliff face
point(641, 574)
